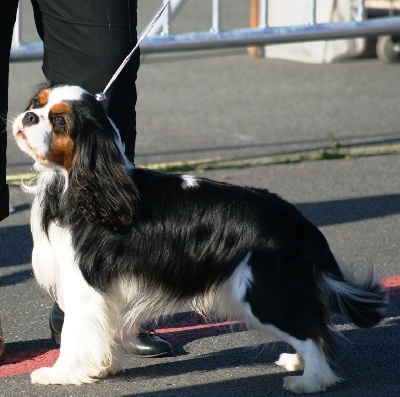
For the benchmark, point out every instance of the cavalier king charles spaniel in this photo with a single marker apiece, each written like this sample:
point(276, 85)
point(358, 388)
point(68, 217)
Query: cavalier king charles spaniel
point(118, 245)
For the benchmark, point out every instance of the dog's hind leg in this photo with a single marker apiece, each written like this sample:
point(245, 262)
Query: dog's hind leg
point(317, 375)
point(279, 304)
point(256, 295)
point(309, 358)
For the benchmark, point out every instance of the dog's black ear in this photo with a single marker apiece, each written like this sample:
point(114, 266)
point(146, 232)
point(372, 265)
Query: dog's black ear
point(100, 186)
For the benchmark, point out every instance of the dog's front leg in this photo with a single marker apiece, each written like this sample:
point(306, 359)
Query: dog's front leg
point(86, 338)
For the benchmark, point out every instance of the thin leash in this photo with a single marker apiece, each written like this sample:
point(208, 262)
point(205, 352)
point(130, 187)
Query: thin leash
point(101, 96)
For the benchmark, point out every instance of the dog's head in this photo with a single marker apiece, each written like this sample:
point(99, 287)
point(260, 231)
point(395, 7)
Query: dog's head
point(45, 129)
point(66, 127)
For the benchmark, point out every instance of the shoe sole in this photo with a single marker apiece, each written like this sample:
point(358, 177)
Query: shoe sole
point(152, 355)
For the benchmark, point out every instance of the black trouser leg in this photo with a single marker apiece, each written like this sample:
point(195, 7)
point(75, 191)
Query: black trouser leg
point(8, 11)
point(86, 45)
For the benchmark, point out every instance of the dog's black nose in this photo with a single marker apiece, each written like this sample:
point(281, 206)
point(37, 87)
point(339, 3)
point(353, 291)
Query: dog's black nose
point(29, 119)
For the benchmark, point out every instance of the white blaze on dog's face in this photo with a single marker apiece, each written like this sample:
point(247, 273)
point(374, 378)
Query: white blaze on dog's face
point(44, 130)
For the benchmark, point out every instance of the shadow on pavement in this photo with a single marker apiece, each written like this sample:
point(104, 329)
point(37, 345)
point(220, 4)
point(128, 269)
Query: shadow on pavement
point(350, 210)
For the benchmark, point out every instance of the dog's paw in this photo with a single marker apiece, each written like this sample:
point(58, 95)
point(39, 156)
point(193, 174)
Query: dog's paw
point(45, 376)
point(52, 376)
point(42, 376)
point(291, 362)
point(301, 384)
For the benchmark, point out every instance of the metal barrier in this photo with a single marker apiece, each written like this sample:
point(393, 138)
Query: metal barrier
point(259, 35)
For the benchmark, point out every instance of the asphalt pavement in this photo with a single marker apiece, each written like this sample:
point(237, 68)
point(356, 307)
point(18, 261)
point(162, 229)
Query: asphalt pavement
point(276, 124)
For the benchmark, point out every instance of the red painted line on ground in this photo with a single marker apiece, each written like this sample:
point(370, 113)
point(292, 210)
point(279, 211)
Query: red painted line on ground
point(392, 284)
point(27, 361)
point(201, 324)
point(182, 331)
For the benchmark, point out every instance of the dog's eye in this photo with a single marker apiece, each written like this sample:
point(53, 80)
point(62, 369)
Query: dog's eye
point(35, 103)
point(59, 120)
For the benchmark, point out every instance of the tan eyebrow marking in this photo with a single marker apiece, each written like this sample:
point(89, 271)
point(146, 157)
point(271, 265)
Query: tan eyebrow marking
point(43, 96)
point(40, 100)
point(61, 108)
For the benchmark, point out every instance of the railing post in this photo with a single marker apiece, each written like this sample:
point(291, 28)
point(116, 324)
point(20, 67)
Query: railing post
point(258, 18)
point(166, 17)
point(360, 10)
point(263, 14)
point(312, 9)
point(216, 18)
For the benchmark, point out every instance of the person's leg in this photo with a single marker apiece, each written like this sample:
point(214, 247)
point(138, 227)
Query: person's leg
point(8, 11)
point(84, 44)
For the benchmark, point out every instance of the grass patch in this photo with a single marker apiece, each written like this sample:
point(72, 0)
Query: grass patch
point(337, 152)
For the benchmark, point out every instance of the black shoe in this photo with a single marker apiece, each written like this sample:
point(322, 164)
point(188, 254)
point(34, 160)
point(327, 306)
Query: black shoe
point(56, 321)
point(148, 344)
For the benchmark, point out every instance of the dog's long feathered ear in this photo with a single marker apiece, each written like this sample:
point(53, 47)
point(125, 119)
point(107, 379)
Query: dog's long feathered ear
point(101, 188)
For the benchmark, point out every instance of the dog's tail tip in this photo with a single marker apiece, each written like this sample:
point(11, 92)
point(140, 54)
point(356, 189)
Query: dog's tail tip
point(362, 301)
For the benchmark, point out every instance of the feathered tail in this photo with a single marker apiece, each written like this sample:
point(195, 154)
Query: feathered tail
point(362, 302)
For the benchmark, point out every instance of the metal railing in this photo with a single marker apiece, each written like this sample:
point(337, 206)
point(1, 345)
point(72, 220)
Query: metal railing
point(162, 40)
